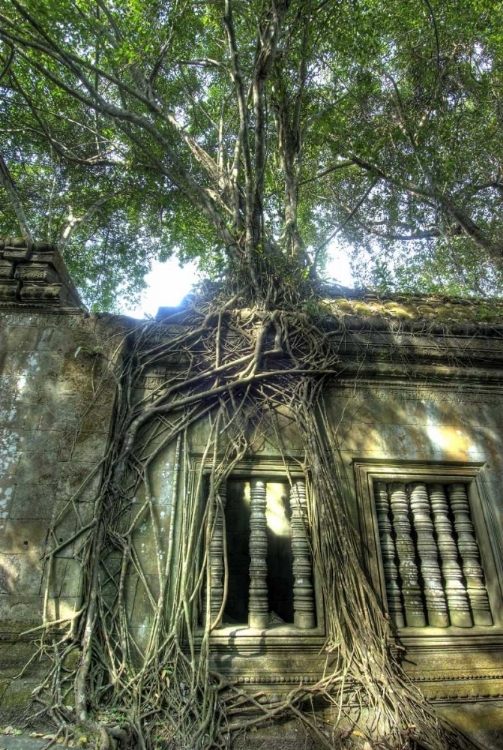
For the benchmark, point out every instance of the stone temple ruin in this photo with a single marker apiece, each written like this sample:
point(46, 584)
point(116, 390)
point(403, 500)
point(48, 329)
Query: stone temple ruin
point(420, 440)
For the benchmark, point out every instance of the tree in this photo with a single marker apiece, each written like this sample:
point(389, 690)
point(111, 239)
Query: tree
point(216, 130)
point(249, 135)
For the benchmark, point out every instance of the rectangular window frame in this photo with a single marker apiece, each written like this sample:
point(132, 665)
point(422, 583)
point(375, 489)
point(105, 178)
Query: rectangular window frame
point(367, 472)
point(284, 635)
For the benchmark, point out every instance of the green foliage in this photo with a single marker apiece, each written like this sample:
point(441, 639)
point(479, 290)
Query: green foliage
point(120, 124)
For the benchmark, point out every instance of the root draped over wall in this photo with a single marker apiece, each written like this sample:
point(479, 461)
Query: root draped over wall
point(236, 368)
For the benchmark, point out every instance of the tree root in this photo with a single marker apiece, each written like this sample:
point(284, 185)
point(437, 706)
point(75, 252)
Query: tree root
point(236, 369)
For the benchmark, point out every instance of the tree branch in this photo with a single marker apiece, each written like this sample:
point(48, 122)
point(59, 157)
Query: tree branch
point(345, 222)
point(10, 188)
point(74, 221)
point(329, 170)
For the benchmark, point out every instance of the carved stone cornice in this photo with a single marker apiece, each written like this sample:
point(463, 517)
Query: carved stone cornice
point(263, 678)
point(34, 275)
point(461, 688)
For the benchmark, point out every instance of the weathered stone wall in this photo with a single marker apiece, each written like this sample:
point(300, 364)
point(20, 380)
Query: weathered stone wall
point(403, 398)
point(436, 425)
point(416, 398)
point(56, 402)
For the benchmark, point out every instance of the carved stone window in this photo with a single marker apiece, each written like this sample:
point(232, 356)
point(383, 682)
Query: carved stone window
point(260, 573)
point(429, 552)
point(431, 559)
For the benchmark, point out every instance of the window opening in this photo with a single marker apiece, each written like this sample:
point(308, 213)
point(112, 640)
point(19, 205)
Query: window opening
point(432, 568)
point(268, 555)
point(237, 522)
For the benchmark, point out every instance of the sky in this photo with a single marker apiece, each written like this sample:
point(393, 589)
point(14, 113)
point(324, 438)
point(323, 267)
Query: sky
point(168, 283)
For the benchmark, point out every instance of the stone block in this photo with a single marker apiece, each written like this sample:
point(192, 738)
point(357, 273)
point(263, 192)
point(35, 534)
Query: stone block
point(482, 722)
point(9, 290)
point(64, 608)
point(14, 656)
point(64, 527)
point(32, 501)
point(11, 449)
point(79, 480)
point(361, 439)
point(39, 291)
point(63, 578)
point(6, 269)
point(17, 249)
point(23, 536)
point(144, 543)
point(19, 612)
point(402, 440)
point(20, 573)
point(49, 363)
point(28, 416)
point(16, 698)
point(39, 466)
point(81, 373)
point(138, 602)
point(33, 271)
point(61, 413)
point(85, 446)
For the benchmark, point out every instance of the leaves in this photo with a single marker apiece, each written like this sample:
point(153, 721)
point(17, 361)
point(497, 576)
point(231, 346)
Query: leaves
point(135, 129)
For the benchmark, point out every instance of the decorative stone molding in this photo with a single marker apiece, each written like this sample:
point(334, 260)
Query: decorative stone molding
point(307, 616)
point(411, 507)
point(469, 552)
point(442, 509)
point(434, 594)
point(303, 599)
point(33, 275)
point(259, 606)
point(389, 555)
point(216, 527)
point(275, 679)
point(411, 590)
point(459, 609)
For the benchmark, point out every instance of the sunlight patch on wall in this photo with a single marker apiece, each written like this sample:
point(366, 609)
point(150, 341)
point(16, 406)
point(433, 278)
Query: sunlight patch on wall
point(451, 440)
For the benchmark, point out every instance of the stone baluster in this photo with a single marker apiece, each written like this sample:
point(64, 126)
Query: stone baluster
point(303, 598)
point(470, 556)
point(455, 589)
point(388, 551)
point(216, 556)
point(434, 595)
point(258, 613)
point(411, 591)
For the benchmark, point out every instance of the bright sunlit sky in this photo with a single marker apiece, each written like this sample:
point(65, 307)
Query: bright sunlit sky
point(168, 283)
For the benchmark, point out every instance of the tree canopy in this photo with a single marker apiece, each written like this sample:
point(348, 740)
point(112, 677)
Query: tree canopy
point(250, 135)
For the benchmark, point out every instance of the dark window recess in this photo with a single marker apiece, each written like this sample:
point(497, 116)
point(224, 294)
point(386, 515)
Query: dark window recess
point(237, 523)
point(268, 555)
point(431, 558)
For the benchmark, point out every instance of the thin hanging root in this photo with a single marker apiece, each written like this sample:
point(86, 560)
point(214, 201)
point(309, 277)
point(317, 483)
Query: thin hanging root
point(236, 377)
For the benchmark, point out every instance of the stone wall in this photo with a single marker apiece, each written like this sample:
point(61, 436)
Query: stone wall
point(406, 399)
point(449, 425)
point(56, 404)
point(410, 400)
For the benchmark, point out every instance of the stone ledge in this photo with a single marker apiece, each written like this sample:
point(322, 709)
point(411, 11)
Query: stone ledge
point(34, 275)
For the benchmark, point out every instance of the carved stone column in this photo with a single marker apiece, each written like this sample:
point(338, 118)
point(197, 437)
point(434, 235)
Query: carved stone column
point(303, 599)
point(469, 553)
point(414, 611)
point(455, 589)
point(388, 551)
point(258, 613)
point(216, 555)
point(436, 604)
